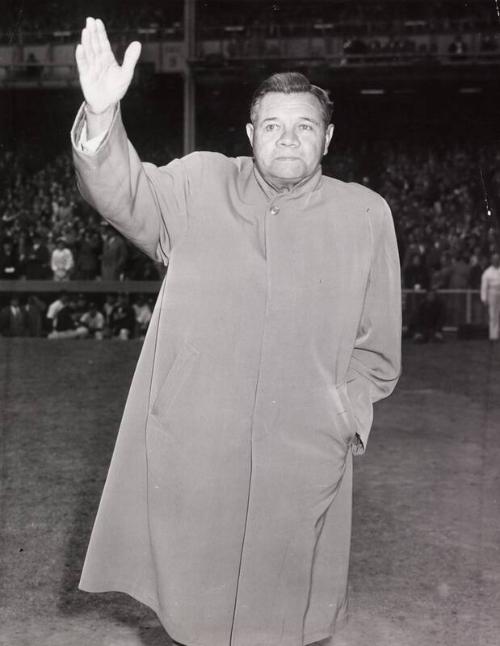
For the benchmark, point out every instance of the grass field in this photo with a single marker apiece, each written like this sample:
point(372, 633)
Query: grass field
point(425, 563)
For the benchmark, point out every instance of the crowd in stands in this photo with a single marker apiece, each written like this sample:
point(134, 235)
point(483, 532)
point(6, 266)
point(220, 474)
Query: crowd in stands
point(445, 205)
point(47, 231)
point(74, 316)
point(443, 201)
point(445, 198)
point(42, 19)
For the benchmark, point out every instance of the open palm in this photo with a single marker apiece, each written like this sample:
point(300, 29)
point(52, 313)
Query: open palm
point(103, 81)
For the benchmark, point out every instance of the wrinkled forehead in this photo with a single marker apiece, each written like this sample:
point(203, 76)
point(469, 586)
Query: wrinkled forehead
point(278, 105)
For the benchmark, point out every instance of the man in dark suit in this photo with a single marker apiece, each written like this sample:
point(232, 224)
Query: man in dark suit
point(12, 319)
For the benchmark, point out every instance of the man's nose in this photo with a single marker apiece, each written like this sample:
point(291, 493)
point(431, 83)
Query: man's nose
point(288, 137)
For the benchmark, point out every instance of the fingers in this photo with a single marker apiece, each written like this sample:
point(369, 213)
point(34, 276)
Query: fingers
point(81, 59)
point(86, 44)
point(94, 39)
point(101, 36)
point(131, 57)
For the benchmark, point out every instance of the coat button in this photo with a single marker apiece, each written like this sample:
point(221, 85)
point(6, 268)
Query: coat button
point(275, 210)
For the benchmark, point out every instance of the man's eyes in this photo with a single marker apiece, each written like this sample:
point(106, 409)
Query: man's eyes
point(271, 127)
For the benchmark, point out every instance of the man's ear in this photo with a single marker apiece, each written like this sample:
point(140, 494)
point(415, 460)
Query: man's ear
point(328, 137)
point(250, 131)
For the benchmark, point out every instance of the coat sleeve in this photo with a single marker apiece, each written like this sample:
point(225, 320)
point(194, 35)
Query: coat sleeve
point(375, 364)
point(146, 203)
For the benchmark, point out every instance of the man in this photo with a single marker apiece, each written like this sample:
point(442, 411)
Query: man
point(228, 502)
point(91, 324)
point(9, 262)
point(427, 322)
point(142, 312)
point(64, 322)
point(61, 261)
point(123, 318)
point(490, 295)
point(87, 257)
point(12, 319)
point(37, 263)
point(54, 308)
point(114, 255)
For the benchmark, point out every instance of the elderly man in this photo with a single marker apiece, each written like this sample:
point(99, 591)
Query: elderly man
point(227, 507)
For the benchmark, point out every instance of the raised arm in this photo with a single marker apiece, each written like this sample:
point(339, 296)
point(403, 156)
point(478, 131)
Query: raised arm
point(103, 82)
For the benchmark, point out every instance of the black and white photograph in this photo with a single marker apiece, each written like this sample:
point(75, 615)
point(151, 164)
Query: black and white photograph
point(250, 323)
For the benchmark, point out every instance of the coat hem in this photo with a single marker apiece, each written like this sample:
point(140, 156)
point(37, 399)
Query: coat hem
point(152, 603)
point(138, 595)
point(328, 633)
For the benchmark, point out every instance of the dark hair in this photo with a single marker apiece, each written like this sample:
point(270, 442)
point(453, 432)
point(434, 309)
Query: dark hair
point(292, 83)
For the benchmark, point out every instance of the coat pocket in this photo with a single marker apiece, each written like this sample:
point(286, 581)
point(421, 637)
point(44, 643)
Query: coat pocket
point(174, 382)
point(345, 419)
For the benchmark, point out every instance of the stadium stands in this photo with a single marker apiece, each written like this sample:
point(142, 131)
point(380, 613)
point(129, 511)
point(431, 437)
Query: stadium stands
point(443, 191)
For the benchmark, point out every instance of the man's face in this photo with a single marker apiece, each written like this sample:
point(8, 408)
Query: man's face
point(288, 137)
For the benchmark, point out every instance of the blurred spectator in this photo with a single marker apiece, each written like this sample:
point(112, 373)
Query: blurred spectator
point(490, 295)
point(142, 316)
point(54, 308)
point(33, 69)
point(91, 324)
point(460, 272)
point(123, 318)
point(61, 261)
point(427, 324)
point(87, 257)
point(114, 255)
point(9, 262)
point(107, 308)
point(416, 275)
point(477, 266)
point(64, 323)
point(488, 44)
point(80, 306)
point(458, 47)
point(12, 319)
point(33, 311)
point(37, 260)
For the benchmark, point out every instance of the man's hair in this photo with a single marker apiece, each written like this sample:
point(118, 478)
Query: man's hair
point(291, 83)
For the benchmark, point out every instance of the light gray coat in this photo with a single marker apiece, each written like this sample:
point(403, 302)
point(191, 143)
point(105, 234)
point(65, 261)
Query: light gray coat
point(227, 506)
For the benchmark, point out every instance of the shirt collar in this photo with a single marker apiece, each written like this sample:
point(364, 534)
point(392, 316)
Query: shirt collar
point(301, 189)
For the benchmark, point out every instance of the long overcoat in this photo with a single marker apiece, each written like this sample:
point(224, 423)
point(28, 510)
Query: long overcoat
point(227, 506)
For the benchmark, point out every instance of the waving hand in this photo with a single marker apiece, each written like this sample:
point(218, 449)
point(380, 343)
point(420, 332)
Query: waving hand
point(103, 81)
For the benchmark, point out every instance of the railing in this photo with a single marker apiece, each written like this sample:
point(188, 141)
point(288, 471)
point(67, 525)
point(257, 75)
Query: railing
point(462, 307)
point(34, 74)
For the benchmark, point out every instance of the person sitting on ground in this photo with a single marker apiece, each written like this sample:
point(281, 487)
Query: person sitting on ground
point(91, 324)
point(65, 327)
point(142, 316)
point(54, 308)
point(123, 319)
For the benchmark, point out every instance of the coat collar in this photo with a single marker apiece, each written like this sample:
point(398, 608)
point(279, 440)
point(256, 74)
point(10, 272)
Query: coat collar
point(255, 191)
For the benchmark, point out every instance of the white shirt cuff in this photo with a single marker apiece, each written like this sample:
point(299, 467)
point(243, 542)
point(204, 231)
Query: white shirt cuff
point(89, 146)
